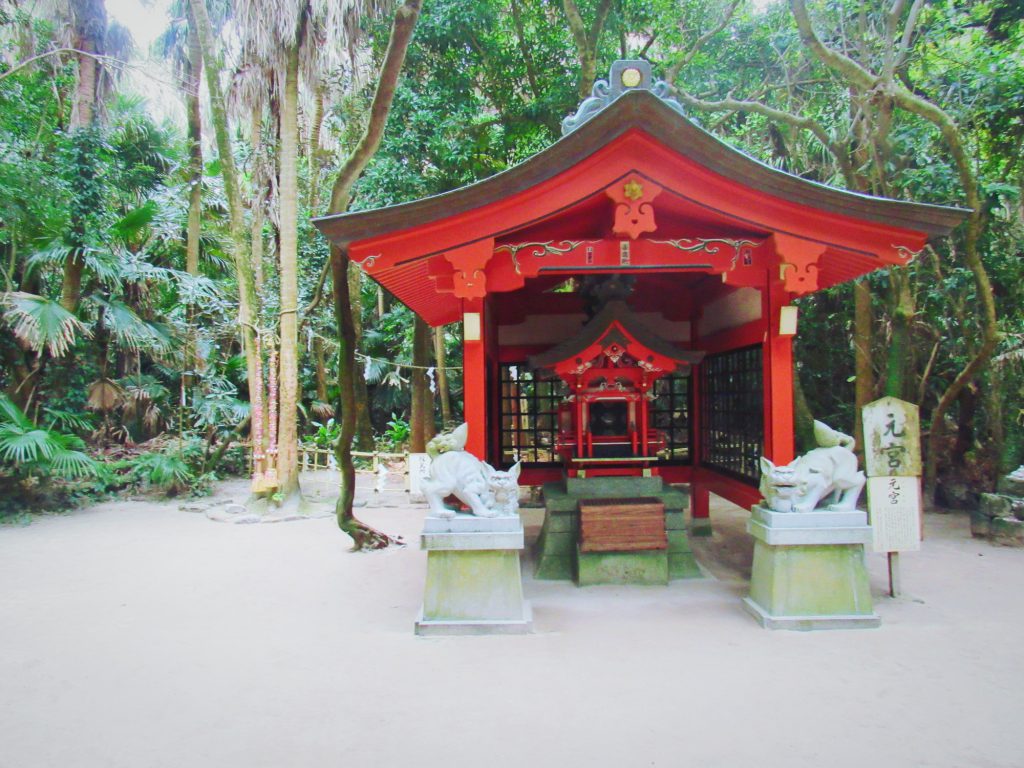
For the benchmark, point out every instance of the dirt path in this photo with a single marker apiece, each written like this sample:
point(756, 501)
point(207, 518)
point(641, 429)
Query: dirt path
point(135, 634)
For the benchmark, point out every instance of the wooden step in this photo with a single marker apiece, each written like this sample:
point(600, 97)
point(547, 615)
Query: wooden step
point(622, 525)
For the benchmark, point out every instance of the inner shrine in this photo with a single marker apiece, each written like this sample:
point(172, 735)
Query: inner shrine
point(626, 301)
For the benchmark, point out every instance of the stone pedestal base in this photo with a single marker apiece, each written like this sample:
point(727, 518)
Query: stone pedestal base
point(649, 567)
point(474, 585)
point(557, 555)
point(809, 570)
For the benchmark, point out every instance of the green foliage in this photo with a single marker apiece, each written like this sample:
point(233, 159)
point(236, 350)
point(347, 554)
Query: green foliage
point(164, 470)
point(28, 450)
point(326, 435)
point(397, 434)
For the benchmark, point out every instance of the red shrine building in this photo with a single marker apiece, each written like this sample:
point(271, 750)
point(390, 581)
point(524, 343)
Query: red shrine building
point(626, 294)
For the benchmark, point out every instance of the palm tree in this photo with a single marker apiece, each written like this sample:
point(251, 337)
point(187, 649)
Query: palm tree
point(302, 39)
point(239, 239)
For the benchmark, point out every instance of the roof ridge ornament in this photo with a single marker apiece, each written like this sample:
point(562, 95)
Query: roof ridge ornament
point(625, 75)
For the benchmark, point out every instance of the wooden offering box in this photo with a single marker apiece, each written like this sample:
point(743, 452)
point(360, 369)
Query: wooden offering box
point(622, 525)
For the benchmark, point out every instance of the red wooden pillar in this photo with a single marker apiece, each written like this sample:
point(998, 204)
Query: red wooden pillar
point(700, 497)
point(469, 283)
point(798, 273)
point(474, 375)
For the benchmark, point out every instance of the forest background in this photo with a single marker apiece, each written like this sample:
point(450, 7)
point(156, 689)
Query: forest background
point(166, 302)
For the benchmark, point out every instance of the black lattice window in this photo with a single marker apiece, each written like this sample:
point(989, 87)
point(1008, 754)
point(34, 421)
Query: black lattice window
point(670, 413)
point(732, 413)
point(529, 414)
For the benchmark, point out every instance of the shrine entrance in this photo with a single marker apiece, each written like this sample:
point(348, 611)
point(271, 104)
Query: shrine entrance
point(626, 307)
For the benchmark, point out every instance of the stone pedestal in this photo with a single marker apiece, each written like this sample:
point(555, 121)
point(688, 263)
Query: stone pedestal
point(557, 556)
point(1000, 515)
point(809, 570)
point(474, 585)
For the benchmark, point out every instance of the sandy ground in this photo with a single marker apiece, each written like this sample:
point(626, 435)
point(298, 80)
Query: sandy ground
point(135, 634)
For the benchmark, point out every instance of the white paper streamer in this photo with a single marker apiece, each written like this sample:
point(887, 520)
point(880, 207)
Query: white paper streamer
point(433, 384)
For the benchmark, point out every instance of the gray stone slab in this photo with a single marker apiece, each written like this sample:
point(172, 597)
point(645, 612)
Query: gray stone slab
point(675, 521)
point(477, 540)
point(434, 628)
point(466, 523)
point(613, 487)
point(817, 519)
point(803, 536)
point(808, 623)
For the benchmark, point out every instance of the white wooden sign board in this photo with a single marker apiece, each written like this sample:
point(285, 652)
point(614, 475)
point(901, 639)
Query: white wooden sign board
point(894, 507)
point(892, 438)
point(419, 470)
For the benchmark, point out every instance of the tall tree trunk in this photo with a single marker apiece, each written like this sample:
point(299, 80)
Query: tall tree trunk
point(238, 236)
point(901, 351)
point(364, 429)
point(313, 150)
point(862, 338)
point(195, 192)
point(422, 417)
point(363, 536)
point(320, 360)
point(803, 419)
point(586, 40)
point(287, 431)
point(89, 19)
point(442, 378)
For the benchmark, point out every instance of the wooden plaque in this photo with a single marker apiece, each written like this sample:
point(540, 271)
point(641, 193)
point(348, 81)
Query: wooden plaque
point(622, 525)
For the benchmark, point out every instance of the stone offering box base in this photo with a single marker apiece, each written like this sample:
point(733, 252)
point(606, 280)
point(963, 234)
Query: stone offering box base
point(809, 570)
point(558, 555)
point(474, 584)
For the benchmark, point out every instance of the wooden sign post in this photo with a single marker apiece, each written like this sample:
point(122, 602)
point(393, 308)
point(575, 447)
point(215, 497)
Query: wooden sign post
point(892, 455)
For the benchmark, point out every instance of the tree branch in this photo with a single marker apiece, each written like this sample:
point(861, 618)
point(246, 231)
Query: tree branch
point(907, 100)
point(674, 70)
point(778, 115)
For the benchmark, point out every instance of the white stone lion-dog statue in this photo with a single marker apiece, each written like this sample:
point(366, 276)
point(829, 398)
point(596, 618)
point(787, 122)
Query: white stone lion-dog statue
point(487, 492)
point(825, 477)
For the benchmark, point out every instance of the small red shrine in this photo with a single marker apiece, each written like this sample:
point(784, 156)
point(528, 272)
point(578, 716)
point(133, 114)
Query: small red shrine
point(610, 368)
point(689, 374)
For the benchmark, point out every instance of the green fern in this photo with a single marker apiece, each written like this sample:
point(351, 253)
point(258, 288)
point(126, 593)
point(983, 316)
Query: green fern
point(163, 470)
point(30, 450)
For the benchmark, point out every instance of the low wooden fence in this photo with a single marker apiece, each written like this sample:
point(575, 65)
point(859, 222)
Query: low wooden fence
point(385, 466)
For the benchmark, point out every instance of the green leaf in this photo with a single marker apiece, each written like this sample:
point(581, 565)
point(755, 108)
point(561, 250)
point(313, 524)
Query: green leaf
point(41, 322)
point(25, 446)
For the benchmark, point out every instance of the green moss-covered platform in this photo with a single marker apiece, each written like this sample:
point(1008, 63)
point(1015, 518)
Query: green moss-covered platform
point(557, 551)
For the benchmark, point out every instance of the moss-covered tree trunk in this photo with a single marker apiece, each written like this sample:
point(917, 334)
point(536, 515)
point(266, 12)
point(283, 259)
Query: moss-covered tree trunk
point(89, 29)
point(422, 417)
point(862, 344)
point(899, 362)
point(287, 430)
point(195, 181)
point(364, 430)
point(586, 38)
point(442, 378)
point(406, 15)
point(239, 240)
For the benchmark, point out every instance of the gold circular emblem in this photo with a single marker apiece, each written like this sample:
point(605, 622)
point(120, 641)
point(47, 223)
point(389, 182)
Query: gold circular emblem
point(631, 77)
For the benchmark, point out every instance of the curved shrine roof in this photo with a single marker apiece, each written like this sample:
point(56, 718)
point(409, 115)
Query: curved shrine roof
point(640, 110)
